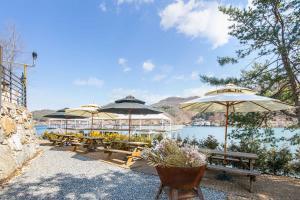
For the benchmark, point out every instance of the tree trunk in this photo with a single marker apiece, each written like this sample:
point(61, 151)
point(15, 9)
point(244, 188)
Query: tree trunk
point(293, 84)
point(284, 53)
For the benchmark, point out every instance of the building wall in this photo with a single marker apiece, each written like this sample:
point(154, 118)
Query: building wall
point(18, 142)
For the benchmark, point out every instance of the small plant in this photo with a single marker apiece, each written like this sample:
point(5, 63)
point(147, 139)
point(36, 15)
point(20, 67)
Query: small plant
point(168, 153)
point(210, 142)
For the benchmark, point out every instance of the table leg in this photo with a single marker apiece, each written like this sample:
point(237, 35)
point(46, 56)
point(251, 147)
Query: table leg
point(251, 163)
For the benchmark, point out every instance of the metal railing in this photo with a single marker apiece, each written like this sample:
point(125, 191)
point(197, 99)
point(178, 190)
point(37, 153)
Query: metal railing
point(13, 88)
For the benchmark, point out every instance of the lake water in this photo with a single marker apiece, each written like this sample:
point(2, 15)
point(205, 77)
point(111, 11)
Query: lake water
point(201, 132)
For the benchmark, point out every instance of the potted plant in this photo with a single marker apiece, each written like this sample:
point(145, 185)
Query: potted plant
point(180, 169)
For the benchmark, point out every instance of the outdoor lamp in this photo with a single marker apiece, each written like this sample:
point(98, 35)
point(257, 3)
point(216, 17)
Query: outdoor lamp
point(34, 57)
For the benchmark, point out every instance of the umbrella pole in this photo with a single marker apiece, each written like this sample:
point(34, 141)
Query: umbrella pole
point(226, 127)
point(92, 124)
point(129, 126)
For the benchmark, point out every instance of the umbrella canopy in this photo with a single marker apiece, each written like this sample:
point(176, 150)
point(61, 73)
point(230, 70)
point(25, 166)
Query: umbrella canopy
point(160, 116)
point(233, 99)
point(90, 110)
point(61, 114)
point(236, 102)
point(230, 88)
point(129, 106)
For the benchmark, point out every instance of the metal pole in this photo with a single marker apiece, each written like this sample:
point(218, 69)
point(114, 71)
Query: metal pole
point(25, 84)
point(1, 54)
point(66, 124)
point(129, 125)
point(10, 84)
point(92, 124)
point(226, 127)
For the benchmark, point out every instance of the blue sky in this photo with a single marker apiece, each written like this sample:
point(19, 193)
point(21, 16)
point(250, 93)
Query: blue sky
point(98, 50)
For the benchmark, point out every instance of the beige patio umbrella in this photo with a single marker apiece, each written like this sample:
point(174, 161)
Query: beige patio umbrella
point(230, 99)
point(90, 110)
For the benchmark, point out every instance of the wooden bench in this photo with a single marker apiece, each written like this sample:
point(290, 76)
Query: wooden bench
point(131, 155)
point(250, 173)
point(56, 141)
point(78, 144)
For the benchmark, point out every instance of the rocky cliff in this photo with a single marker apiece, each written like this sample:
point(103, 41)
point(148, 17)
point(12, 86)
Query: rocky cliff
point(18, 142)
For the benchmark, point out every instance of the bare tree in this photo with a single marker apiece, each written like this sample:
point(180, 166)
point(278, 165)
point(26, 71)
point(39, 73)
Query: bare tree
point(11, 42)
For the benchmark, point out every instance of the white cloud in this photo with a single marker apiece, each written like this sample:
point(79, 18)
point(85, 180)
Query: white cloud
point(195, 75)
point(123, 63)
point(143, 95)
point(197, 18)
point(159, 77)
point(200, 60)
point(119, 2)
point(102, 7)
point(92, 81)
point(148, 65)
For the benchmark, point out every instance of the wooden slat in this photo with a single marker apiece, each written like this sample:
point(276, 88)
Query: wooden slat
point(230, 153)
point(222, 158)
point(233, 170)
point(115, 151)
point(118, 160)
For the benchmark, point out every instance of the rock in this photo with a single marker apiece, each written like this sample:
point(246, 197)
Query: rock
point(15, 142)
point(7, 162)
point(8, 125)
point(2, 137)
point(18, 142)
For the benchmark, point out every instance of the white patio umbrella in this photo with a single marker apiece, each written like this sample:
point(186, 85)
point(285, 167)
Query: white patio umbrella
point(233, 99)
point(90, 110)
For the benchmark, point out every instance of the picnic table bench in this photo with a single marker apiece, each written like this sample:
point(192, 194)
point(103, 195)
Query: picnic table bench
point(133, 152)
point(246, 159)
point(244, 172)
point(61, 139)
point(91, 143)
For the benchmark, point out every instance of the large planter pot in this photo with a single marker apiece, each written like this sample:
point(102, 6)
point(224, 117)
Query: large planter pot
point(181, 181)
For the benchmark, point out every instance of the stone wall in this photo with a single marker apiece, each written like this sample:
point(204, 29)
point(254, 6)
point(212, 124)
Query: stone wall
point(18, 142)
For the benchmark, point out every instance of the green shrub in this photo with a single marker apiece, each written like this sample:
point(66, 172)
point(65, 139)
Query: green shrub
point(210, 142)
point(278, 161)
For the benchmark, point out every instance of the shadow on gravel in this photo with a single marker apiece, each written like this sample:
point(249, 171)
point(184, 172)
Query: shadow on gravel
point(112, 185)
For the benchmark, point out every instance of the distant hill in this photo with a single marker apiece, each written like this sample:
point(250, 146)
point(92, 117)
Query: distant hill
point(38, 114)
point(171, 105)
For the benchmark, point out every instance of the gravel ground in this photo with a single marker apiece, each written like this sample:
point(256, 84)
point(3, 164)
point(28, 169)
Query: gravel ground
point(67, 175)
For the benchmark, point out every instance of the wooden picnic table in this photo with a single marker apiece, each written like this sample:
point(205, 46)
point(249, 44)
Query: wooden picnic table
point(132, 151)
point(93, 142)
point(246, 159)
point(131, 144)
point(232, 156)
point(64, 138)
